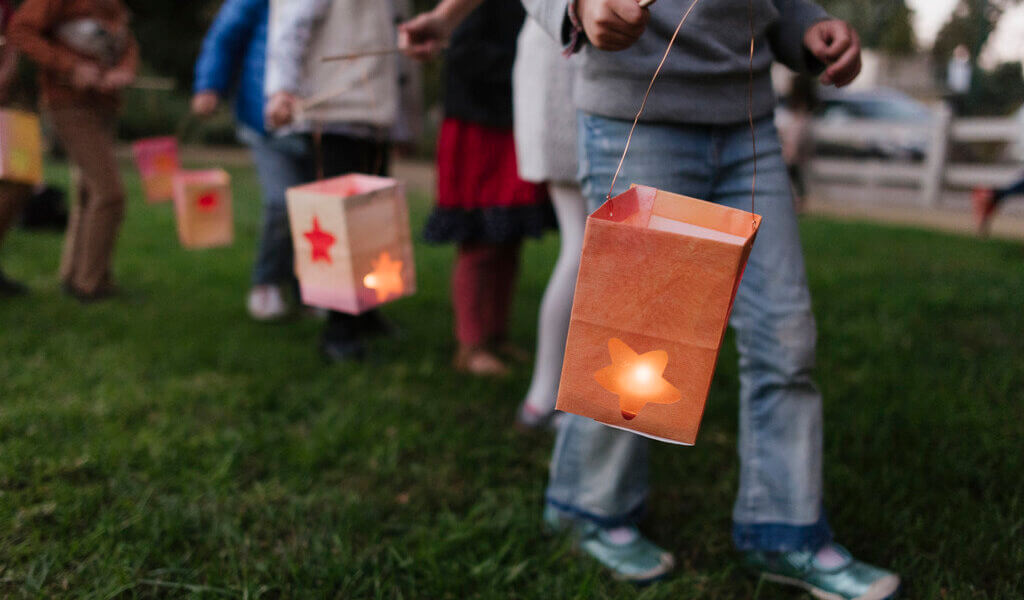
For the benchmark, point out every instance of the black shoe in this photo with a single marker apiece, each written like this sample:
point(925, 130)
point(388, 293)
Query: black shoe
point(10, 288)
point(340, 351)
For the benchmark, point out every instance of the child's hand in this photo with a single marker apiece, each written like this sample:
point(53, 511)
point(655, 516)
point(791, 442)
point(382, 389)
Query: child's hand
point(85, 76)
point(837, 45)
point(204, 103)
point(281, 109)
point(117, 79)
point(612, 24)
point(424, 36)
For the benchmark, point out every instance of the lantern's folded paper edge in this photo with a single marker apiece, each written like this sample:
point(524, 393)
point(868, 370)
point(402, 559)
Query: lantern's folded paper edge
point(649, 436)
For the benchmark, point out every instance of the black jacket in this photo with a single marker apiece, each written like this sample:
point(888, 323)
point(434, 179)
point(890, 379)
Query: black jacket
point(478, 65)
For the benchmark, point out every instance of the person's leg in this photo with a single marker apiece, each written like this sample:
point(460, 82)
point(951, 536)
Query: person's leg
point(599, 473)
point(779, 505)
point(281, 163)
point(72, 237)
point(12, 197)
point(473, 298)
point(556, 306)
point(88, 137)
point(779, 520)
point(503, 273)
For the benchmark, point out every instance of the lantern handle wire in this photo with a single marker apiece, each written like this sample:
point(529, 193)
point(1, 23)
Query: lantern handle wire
point(650, 86)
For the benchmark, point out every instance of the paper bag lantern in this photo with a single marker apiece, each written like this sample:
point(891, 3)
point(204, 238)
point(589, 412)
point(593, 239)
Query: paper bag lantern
point(202, 205)
point(21, 147)
point(657, 281)
point(353, 249)
point(157, 160)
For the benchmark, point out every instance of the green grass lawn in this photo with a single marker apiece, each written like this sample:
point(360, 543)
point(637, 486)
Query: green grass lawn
point(164, 445)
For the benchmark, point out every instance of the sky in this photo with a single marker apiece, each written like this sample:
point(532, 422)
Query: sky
point(1006, 44)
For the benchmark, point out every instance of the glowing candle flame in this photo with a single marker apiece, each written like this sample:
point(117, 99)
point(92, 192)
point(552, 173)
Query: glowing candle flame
point(636, 378)
point(386, 277)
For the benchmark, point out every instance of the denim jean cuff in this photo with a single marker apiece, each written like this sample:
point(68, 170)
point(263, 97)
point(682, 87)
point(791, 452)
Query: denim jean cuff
point(627, 518)
point(781, 537)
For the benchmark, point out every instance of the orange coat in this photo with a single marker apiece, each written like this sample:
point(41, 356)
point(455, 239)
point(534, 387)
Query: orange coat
point(33, 30)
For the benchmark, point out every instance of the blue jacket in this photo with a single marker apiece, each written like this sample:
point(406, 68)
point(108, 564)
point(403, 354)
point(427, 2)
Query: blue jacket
point(233, 57)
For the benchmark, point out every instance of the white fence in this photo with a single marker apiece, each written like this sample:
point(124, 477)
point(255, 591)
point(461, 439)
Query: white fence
point(931, 176)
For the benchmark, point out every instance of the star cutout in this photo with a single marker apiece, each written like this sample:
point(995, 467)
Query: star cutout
point(208, 201)
point(636, 378)
point(386, 277)
point(321, 242)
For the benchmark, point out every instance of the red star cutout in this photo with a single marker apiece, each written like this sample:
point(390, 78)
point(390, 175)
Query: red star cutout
point(386, 277)
point(321, 241)
point(208, 201)
point(636, 378)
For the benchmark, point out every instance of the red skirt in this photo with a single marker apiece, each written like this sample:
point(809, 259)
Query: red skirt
point(480, 197)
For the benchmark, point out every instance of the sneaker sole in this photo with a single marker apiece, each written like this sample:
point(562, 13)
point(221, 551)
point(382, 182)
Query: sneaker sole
point(886, 593)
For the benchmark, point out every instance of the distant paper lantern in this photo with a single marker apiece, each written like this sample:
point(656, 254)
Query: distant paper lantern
point(202, 206)
point(157, 161)
point(657, 281)
point(353, 249)
point(21, 147)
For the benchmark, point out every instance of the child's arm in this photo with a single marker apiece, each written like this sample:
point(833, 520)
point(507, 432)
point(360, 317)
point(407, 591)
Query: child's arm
point(123, 73)
point(287, 46)
point(27, 31)
point(806, 39)
point(424, 36)
point(222, 50)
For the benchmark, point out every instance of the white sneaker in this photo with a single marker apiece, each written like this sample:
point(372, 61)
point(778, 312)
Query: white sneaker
point(266, 303)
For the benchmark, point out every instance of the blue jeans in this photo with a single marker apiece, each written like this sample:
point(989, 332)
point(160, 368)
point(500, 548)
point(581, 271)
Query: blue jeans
point(600, 473)
point(281, 163)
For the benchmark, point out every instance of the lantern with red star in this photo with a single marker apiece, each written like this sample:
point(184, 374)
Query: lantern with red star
point(657, 280)
point(353, 248)
point(157, 161)
point(202, 206)
point(21, 147)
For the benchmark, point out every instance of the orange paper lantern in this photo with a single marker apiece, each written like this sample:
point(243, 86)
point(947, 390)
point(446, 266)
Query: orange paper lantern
point(657, 281)
point(202, 206)
point(353, 249)
point(21, 147)
point(157, 161)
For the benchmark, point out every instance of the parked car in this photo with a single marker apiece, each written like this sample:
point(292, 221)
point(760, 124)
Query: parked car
point(886, 105)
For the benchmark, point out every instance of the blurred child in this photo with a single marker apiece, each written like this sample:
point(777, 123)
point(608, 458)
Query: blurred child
point(545, 143)
point(985, 202)
point(12, 194)
point(86, 55)
point(233, 58)
point(345, 109)
point(483, 206)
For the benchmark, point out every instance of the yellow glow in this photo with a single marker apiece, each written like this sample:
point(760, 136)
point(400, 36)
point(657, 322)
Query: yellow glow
point(386, 277)
point(637, 379)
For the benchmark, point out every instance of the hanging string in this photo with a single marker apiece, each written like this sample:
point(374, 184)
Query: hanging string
point(650, 86)
point(750, 115)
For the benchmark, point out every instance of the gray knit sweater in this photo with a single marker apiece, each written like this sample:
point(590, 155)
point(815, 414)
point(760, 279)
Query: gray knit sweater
point(704, 80)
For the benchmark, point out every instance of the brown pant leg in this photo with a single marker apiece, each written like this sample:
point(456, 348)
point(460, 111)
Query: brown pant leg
point(12, 197)
point(88, 137)
point(71, 236)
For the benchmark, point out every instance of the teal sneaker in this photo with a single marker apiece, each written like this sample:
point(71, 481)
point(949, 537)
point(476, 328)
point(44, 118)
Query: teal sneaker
point(830, 574)
point(622, 550)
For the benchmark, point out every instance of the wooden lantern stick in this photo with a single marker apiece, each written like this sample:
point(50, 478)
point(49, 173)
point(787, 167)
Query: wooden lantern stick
point(646, 3)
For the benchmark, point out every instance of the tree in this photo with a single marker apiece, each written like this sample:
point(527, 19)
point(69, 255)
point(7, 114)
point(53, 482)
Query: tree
point(885, 26)
point(970, 25)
